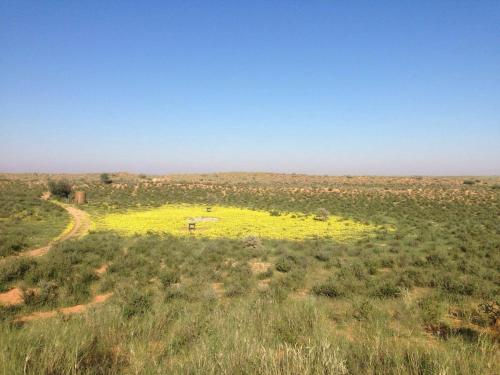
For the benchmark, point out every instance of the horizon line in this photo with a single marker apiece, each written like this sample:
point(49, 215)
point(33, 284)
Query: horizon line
point(254, 172)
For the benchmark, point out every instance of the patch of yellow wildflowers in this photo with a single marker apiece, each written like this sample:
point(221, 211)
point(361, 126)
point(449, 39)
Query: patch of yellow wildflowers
point(231, 222)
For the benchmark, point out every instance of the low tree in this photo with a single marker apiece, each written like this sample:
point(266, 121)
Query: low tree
point(105, 179)
point(60, 188)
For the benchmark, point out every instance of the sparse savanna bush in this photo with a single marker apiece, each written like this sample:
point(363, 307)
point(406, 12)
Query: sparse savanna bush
point(419, 297)
point(330, 288)
point(284, 264)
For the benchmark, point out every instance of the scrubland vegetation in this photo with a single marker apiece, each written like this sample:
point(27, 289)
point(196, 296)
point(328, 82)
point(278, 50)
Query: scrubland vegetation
point(418, 293)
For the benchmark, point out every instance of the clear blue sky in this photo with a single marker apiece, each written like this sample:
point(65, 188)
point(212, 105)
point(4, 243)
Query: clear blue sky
point(330, 87)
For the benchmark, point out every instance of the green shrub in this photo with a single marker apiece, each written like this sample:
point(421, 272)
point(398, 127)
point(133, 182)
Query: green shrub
point(322, 214)
point(363, 310)
point(46, 294)
point(177, 292)
point(252, 242)
point(436, 259)
point(330, 288)
point(284, 264)
point(460, 286)
point(14, 269)
point(387, 290)
point(169, 277)
point(323, 255)
point(60, 188)
point(105, 179)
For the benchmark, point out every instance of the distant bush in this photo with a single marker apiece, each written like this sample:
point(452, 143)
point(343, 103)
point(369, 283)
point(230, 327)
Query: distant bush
point(322, 214)
point(363, 310)
point(14, 269)
point(435, 258)
point(284, 264)
point(387, 290)
point(60, 188)
point(182, 292)
point(468, 182)
point(322, 255)
point(330, 288)
point(46, 295)
point(169, 277)
point(253, 242)
point(453, 285)
point(105, 179)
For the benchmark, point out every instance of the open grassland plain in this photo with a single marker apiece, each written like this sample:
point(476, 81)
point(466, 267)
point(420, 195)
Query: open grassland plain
point(284, 274)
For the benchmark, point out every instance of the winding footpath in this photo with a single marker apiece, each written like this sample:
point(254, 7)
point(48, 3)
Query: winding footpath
point(81, 225)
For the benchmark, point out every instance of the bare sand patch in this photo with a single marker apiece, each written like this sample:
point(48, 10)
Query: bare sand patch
point(203, 219)
point(385, 270)
point(77, 309)
point(264, 284)
point(218, 289)
point(46, 196)
point(12, 297)
point(259, 267)
point(300, 293)
point(102, 270)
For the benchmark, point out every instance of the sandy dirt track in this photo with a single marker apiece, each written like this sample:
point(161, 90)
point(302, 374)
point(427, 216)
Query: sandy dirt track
point(81, 225)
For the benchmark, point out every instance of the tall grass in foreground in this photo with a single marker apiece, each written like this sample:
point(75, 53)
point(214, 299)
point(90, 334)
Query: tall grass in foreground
point(244, 336)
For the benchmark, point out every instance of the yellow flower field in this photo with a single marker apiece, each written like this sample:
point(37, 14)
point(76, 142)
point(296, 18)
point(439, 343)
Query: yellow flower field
point(231, 222)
